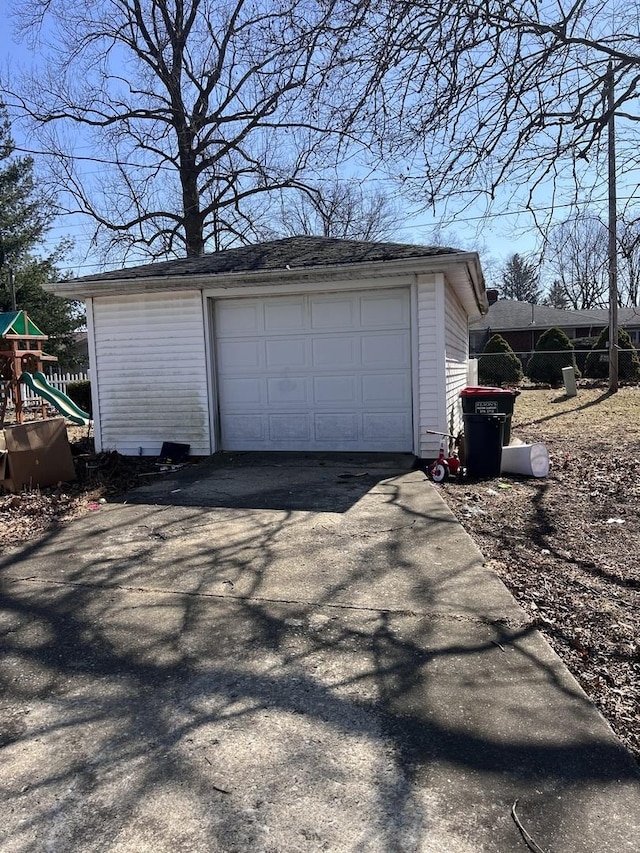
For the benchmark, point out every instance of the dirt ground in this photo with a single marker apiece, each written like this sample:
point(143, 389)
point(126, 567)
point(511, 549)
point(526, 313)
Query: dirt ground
point(567, 546)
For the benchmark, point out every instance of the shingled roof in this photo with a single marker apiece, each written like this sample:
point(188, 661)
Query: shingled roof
point(288, 253)
point(511, 315)
point(627, 317)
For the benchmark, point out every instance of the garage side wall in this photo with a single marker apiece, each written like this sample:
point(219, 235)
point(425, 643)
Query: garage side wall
point(430, 394)
point(150, 372)
point(456, 358)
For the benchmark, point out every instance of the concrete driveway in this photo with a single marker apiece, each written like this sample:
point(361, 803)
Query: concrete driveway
point(298, 654)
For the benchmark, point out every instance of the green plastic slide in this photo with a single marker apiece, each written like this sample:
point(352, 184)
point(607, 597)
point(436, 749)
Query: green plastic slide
point(38, 382)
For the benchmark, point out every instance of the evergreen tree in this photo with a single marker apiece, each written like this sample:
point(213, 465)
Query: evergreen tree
point(554, 351)
point(24, 218)
point(520, 280)
point(557, 296)
point(597, 364)
point(499, 364)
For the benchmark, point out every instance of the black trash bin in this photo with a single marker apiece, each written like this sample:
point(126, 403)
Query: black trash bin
point(483, 440)
point(480, 400)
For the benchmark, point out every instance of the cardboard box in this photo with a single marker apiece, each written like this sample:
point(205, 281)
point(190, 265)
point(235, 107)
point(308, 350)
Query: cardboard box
point(37, 454)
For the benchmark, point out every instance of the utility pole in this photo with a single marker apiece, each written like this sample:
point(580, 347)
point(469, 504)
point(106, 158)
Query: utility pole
point(613, 248)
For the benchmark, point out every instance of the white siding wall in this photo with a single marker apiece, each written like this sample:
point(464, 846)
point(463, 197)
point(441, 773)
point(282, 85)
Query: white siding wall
point(456, 359)
point(150, 368)
point(429, 361)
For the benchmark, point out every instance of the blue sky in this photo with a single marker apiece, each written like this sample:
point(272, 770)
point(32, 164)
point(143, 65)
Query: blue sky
point(495, 236)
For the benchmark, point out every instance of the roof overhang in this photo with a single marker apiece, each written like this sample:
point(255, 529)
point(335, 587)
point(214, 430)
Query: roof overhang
point(461, 269)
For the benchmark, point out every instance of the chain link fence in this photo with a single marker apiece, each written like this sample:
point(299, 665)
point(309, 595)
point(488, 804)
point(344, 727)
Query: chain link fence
point(546, 367)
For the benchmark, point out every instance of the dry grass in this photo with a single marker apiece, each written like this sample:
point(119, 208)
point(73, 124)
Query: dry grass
point(594, 410)
point(568, 546)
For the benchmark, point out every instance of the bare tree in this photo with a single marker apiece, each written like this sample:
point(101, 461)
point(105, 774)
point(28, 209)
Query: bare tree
point(487, 97)
point(576, 257)
point(520, 280)
point(341, 208)
point(629, 262)
point(192, 111)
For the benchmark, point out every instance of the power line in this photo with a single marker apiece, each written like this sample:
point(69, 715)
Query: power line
point(348, 178)
point(446, 221)
point(99, 160)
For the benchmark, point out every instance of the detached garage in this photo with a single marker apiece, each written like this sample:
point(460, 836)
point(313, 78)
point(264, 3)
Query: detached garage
point(305, 343)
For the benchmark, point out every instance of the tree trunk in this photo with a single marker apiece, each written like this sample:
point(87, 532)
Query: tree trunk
point(193, 217)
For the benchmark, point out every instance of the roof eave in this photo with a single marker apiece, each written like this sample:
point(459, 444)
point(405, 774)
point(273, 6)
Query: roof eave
point(466, 262)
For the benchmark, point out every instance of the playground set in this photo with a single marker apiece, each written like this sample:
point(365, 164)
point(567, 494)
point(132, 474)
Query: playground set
point(21, 363)
point(33, 453)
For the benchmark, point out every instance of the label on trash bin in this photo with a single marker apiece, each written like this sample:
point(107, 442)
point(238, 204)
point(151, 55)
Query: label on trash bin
point(486, 407)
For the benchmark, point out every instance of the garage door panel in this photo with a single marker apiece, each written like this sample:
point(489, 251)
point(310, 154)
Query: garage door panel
point(245, 429)
point(315, 372)
point(284, 315)
point(384, 311)
point(392, 389)
point(240, 319)
point(336, 427)
point(385, 426)
point(290, 427)
point(332, 312)
point(335, 389)
point(241, 355)
point(287, 389)
point(335, 352)
point(243, 392)
point(388, 350)
point(286, 352)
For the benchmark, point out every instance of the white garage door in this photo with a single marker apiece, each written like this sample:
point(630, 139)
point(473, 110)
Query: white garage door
point(315, 372)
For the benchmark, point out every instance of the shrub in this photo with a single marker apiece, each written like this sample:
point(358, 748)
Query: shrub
point(80, 393)
point(597, 364)
point(501, 365)
point(581, 348)
point(553, 352)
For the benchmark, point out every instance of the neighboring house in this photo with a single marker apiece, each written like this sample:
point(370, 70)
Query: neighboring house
point(628, 318)
point(521, 324)
point(305, 343)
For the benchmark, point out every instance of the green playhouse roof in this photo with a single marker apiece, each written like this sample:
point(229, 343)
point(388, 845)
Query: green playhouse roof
point(18, 323)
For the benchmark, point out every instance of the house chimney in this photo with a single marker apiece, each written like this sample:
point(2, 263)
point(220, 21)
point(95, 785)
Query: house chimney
point(492, 295)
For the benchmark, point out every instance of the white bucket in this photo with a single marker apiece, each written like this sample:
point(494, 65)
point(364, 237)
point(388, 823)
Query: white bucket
point(532, 460)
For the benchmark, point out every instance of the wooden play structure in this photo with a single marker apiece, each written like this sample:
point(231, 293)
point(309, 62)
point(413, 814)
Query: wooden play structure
point(20, 352)
point(21, 363)
point(34, 453)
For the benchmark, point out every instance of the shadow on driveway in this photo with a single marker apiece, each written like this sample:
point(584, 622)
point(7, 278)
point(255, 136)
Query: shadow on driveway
point(258, 674)
point(318, 482)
